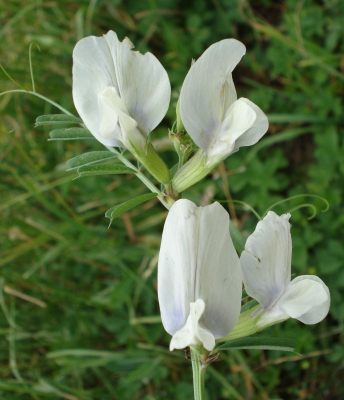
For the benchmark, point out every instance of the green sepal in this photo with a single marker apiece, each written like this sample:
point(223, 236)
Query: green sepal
point(154, 164)
point(89, 158)
point(191, 172)
point(91, 170)
point(57, 119)
point(70, 134)
point(246, 325)
point(120, 209)
point(259, 343)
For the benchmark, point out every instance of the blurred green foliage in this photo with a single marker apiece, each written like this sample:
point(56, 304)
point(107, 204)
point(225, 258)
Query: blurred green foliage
point(90, 328)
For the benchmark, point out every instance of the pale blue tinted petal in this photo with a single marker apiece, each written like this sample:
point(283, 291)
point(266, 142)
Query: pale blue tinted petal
point(218, 275)
point(208, 89)
point(266, 260)
point(177, 264)
point(197, 261)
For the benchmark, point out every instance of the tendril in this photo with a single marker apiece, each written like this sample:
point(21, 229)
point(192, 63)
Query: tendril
point(245, 204)
point(304, 205)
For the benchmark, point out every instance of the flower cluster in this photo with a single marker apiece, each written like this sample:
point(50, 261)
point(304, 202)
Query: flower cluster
point(122, 95)
point(200, 276)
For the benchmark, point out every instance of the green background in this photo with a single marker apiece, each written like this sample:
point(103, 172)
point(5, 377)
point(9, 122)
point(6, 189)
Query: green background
point(91, 328)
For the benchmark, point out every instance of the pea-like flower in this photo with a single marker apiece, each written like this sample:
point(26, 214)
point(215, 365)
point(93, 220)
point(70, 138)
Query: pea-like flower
point(120, 94)
point(266, 269)
point(199, 277)
point(217, 122)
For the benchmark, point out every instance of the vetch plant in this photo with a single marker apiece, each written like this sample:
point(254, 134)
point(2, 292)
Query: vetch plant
point(122, 96)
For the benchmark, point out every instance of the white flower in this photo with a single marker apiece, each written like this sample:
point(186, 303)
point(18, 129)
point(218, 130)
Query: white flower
point(266, 269)
point(214, 118)
point(199, 278)
point(120, 94)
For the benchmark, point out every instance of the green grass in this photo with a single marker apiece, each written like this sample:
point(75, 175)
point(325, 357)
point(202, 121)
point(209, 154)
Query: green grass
point(90, 327)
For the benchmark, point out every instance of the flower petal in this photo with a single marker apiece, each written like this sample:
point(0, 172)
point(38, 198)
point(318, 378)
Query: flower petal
point(93, 71)
point(238, 120)
point(307, 299)
point(109, 127)
point(229, 95)
point(193, 333)
point(272, 316)
point(177, 264)
point(115, 121)
point(208, 89)
point(218, 275)
point(266, 260)
point(143, 83)
point(198, 261)
point(257, 130)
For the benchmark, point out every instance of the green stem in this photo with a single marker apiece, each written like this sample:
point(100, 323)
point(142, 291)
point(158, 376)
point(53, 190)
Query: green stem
point(198, 370)
point(141, 176)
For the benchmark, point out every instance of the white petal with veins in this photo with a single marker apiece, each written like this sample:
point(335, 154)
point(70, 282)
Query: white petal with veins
point(198, 263)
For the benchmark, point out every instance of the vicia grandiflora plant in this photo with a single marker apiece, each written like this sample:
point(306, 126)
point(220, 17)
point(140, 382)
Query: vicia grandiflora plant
point(122, 96)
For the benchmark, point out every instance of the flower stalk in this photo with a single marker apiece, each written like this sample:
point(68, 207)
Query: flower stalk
point(167, 202)
point(198, 371)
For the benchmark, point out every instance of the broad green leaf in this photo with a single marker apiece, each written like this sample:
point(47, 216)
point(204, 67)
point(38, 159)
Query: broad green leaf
point(70, 134)
point(259, 343)
point(237, 238)
point(57, 119)
point(116, 211)
point(89, 158)
point(90, 170)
